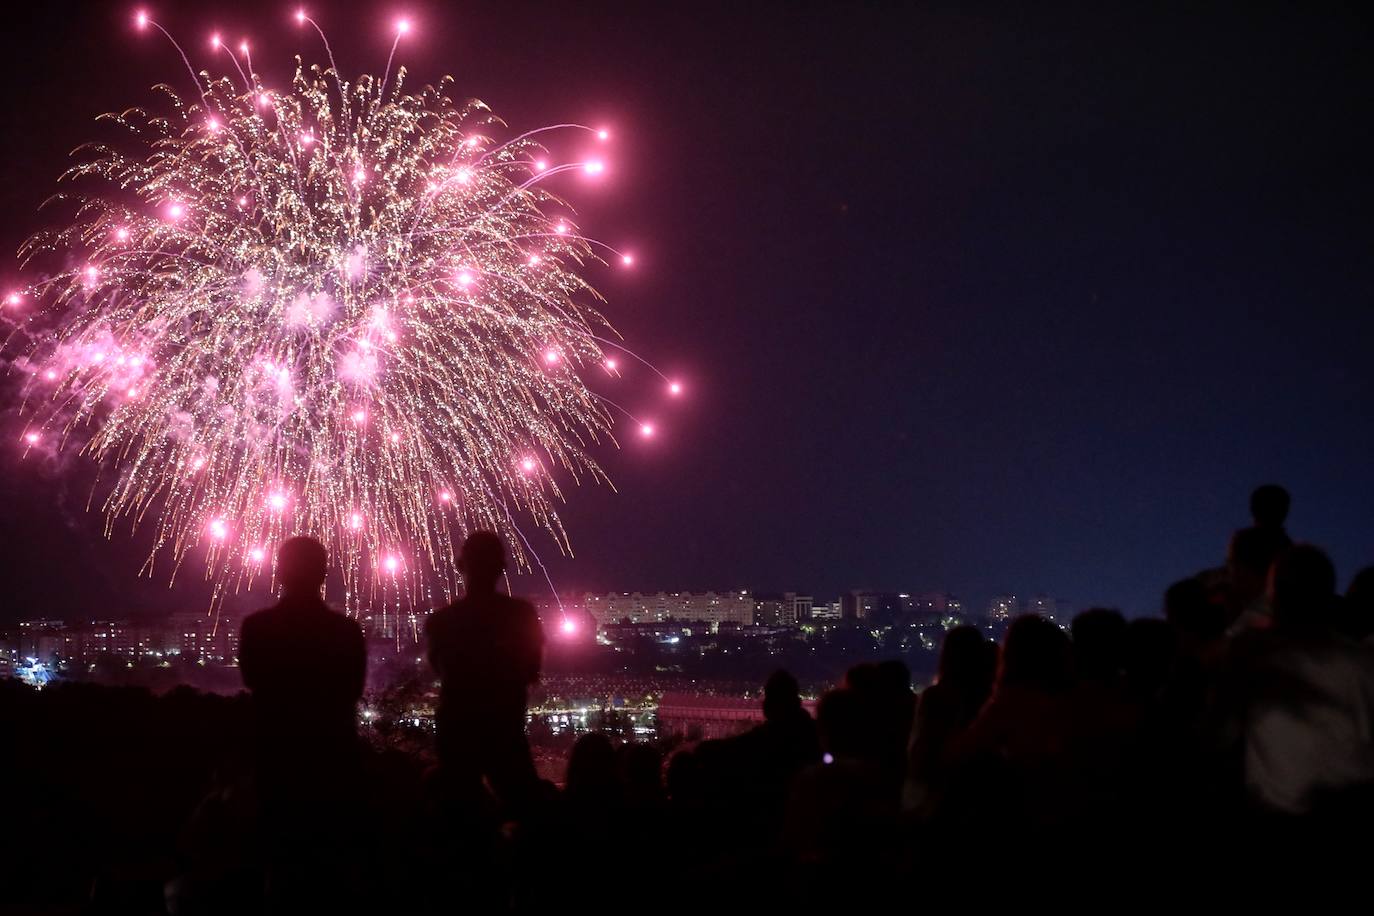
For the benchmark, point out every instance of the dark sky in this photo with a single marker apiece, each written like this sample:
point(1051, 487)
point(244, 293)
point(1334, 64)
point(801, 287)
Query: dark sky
point(973, 300)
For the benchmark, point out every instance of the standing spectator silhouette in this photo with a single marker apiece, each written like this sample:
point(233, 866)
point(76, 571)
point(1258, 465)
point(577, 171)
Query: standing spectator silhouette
point(1307, 695)
point(486, 648)
point(1269, 510)
point(968, 663)
point(1250, 554)
point(305, 666)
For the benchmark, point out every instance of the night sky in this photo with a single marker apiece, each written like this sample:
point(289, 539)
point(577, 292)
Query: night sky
point(988, 301)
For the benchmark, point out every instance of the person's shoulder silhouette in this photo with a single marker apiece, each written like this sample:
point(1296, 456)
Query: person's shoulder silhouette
point(485, 637)
point(299, 658)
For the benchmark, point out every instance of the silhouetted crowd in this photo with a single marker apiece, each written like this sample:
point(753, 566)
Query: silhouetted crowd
point(1232, 736)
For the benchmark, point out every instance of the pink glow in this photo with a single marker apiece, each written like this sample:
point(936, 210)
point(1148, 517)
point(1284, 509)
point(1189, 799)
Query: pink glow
point(464, 176)
point(13, 298)
point(91, 273)
point(258, 554)
point(603, 134)
point(646, 430)
point(569, 626)
point(359, 416)
point(277, 501)
point(472, 142)
point(402, 26)
point(214, 40)
point(197, 464)
point(674, 388)
point(464, 278)
point(594, 167)
point(561, 228)
point(141, 19)
point(218, 530)
point(31, 438)
point(355, 521)
point(243, 46)
point(527, 465)
point(243, 201)
point(551, 357)
point(534, 259)
point(50, 375)
point(300, 16)
point(132, 392)
point(175, 210)
point(392, 564)
point(627, 259)
point(122, 234)
point(445, 496)
point(395, 437)
point(540, 165)
point(611, 364)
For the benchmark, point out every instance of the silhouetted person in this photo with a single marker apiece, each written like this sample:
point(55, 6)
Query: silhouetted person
point(1248, 557)
point(963, 682)
point(487, 648)
point(1357, 613)
point(1269, 508)
point(305, 666)
point(838, 809)
point(1199, 622)
point(1027, 725)
point(1306, 694)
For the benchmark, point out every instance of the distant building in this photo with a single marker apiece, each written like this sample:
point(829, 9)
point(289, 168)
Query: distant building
point(711, 608)
point(773, 611)
point(872, 607)
point(1003, 607)
point(830, 611)
point(1056, 609)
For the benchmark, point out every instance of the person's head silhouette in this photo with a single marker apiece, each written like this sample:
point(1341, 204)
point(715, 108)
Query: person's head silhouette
point(302, 564)
point(781, 696)
point(1269, 506)
point(482, 561)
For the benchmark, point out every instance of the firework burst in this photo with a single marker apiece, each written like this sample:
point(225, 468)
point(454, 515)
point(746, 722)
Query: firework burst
point(339, 308)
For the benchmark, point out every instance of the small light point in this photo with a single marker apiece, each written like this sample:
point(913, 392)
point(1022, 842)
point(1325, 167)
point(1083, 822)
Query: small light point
point(603, 134)
point(31, 438)
point(569, 627)
point(674, 388)
point(402, 26)
point(627, 259)
point(646, 430)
